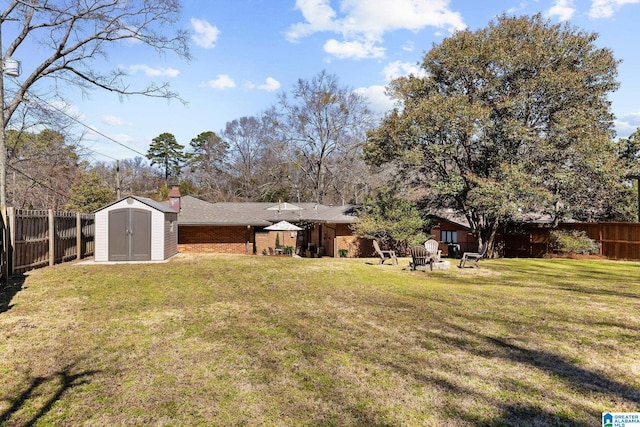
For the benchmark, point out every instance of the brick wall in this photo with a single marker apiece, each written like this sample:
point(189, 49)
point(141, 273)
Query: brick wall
point(464, 237)
point(267, 239)
point(210, 239)
point(233, 240)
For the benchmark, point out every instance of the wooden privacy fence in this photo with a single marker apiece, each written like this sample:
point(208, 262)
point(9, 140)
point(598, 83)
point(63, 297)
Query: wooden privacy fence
point(38, 238)
point(617, 240)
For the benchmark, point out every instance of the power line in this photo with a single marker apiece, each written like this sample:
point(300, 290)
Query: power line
point(89, 127)
point(45, 185)
point(99, 153)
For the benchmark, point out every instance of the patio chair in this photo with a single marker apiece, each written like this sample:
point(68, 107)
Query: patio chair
point(384, 254)
point(420, 257)
point(432, 247)
point(473, 256)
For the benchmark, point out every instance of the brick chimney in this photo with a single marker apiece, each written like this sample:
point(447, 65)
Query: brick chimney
point(174, 199)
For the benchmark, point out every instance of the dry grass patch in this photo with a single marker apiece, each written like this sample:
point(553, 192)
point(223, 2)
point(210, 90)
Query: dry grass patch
point(228, 340)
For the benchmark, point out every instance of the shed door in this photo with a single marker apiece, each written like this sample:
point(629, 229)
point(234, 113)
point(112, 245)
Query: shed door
point(129, 235)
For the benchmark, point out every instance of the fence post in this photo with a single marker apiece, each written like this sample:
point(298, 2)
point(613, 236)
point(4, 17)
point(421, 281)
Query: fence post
point(600, 226)
point(78, 236)
point(52, 239)
point(4, 245)
point(11, 227)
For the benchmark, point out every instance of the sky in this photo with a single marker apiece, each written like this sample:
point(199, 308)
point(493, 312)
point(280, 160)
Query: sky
point(245, 52)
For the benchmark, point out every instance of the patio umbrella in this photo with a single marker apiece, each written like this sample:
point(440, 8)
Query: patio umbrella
point(283, 226)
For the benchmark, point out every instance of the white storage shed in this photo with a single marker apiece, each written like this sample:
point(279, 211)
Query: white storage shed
point(136, 229)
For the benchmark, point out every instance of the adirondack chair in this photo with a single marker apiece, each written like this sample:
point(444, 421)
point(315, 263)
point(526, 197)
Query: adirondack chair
point(384, 254)
point(432, 247)
point(473, 256)
point(420, 257)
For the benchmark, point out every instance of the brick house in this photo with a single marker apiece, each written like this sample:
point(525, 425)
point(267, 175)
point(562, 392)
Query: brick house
point(451, 228)
point(239, 228)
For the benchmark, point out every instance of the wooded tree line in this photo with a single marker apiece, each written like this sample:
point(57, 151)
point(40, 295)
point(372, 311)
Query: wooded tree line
point(307, 147)
point(504, 120)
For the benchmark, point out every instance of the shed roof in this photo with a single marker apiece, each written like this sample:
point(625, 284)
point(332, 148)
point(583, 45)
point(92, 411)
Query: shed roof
point(160, 206)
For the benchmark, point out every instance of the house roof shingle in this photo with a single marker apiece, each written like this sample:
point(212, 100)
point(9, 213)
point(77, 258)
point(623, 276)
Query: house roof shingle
point(198, 212)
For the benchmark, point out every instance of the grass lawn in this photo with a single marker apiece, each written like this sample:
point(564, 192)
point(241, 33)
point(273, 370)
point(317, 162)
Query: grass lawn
point(236, 340)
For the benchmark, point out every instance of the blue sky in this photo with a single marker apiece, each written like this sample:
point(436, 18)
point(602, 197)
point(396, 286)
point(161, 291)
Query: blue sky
point(246, 51)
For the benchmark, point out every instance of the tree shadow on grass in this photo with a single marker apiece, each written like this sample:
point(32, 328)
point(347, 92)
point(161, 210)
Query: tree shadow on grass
point(65, 380)
point(579, 377)
point(9, 291)
point(570, 286)
point(518, 415)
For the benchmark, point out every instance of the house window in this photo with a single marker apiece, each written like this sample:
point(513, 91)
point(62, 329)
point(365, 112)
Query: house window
point(448, 236)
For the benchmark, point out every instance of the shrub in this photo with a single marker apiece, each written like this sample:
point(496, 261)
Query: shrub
point(573, 242)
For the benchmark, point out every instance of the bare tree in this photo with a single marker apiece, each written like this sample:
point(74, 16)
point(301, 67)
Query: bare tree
point(42, 169)
point(75, 33)
point(72, 37)
point(258, 161)
point(136, 176)
point(325, 123)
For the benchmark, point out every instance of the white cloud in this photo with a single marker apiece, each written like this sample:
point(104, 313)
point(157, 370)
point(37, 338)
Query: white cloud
point(222, 81)
point(353, 49)
point(606, 8)
point(206, 35)
point(514, 10)
point(632, 119)
point(270, 85)
point(319, 16)
point(69, 110)
point(379, 101)
point(363, 23)
point(396, 69)
point(124, 138)
point(381, 16)
point(152, 72)
point(563, 9)
point(627, 124)
point(409, 46)
point(114, 120)
point(129, 32)
point(96, 136)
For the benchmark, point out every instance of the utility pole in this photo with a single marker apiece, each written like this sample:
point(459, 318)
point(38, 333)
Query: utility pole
point(12, 68)
point(117, 180)
point(3, 149)
point(3, 176)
